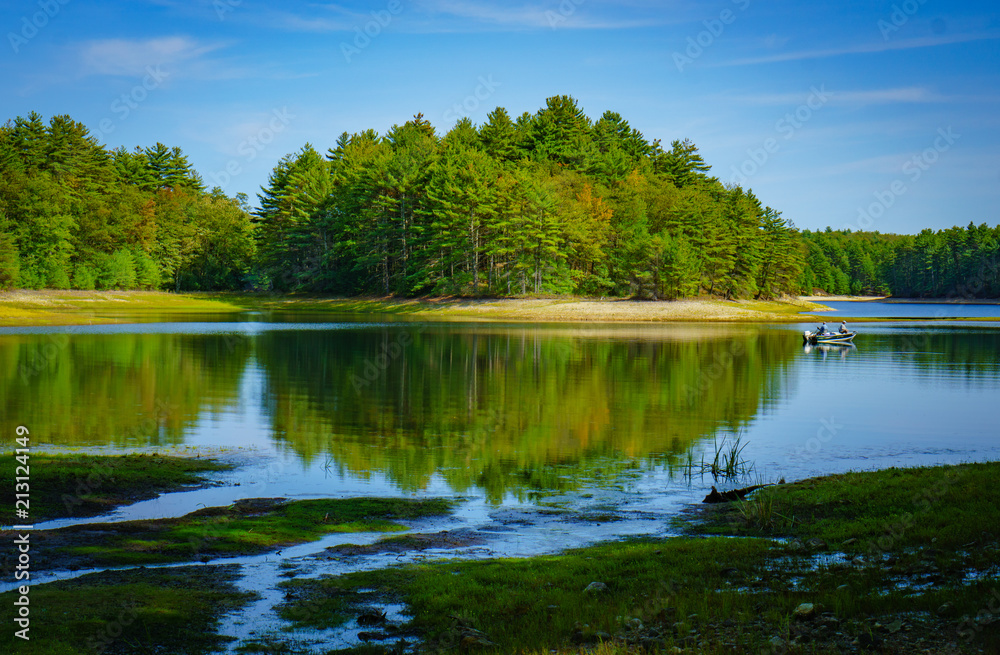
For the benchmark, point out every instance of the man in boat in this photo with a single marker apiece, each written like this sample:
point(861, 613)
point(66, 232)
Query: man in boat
point(843, 327)
point(821, 329)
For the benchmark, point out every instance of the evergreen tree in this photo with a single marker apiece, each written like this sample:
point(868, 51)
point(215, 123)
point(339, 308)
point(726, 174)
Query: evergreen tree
point(561, 133)
point(499, 136)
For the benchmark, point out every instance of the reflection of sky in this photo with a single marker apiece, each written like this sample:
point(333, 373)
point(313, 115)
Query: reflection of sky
point(865, 309)
point(871, 407)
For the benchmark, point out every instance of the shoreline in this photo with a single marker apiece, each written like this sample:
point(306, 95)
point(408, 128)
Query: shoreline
point(901, 301)
point(52, 307)
point(818, 580)
point(40, 308)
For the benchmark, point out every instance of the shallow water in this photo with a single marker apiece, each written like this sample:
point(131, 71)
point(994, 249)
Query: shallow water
point(549, 436)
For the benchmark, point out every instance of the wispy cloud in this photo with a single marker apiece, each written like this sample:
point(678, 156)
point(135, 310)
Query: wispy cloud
point(862, 97)
point(909, 94)
point(131, 57)
point(460, 16)
point(863, 48)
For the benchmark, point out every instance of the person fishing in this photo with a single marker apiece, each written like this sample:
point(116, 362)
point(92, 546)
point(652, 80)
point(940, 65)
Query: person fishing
point(843, 327)
point(821, 329)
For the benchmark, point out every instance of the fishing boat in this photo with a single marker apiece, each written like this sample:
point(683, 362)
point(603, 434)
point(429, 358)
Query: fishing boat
point(828, 337)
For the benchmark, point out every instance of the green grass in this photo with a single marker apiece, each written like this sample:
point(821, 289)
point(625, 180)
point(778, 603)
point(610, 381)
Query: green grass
point(241, 529)
point(127, 612)
point(887, 510)
point(735, 593)
point(87, 485)
point(52, 307)
point(789, 306)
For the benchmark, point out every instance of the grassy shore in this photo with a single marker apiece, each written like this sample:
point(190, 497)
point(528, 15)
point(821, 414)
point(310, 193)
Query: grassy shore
point(247, 527)
point(64, 486)
point(142, 611)
point(893, 561)
point(897, 561)
point(55, 307)
point(20, 308)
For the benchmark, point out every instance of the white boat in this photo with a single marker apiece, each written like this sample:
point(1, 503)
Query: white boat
point(828, 337)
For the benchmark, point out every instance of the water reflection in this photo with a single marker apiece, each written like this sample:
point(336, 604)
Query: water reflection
point(121, 389)
point(838, 350)
point(502, 409)
point(517, 408)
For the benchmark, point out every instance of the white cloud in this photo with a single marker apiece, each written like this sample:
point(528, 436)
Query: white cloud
point(131, 57)
point(460, 16)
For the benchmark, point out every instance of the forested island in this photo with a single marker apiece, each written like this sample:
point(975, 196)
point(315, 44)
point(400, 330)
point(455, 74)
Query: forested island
point(547, 203)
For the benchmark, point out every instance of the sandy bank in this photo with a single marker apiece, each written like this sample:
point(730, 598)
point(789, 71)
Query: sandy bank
point(76, 307)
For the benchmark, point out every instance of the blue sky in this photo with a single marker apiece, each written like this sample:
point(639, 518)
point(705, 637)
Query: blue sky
point(875, 115)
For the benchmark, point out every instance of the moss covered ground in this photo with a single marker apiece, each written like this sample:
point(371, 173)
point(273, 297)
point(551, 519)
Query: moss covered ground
point(248, 527)
point(77, 485)
point(896, 561)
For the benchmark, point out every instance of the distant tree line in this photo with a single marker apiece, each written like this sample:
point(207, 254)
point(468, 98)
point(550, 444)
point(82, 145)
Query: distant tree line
point(76, 215)
point(548, 203)
point(953, 263)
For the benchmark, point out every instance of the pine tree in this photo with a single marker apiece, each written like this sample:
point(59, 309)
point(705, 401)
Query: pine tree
point(499, 136)
point(561, 133)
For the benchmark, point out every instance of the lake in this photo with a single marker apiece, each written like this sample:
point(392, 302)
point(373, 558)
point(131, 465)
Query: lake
point(550, 436)
point(910, 309)
point(508, 413)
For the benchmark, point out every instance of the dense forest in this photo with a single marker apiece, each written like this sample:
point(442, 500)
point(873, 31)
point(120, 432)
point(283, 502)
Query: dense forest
point(75, 215)
point(953, 263)
point(551, 202)
point(548, 203)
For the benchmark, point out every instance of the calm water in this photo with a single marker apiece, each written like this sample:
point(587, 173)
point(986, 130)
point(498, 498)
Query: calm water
point(918, 310)
point(507, 412)
point(549, 436)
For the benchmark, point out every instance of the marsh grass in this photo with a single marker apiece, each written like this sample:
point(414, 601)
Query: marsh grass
point(750, 584)
point(230, 531)
point(759, 513)
point(87, 485)
point(139, 612)
point(887, 510)
point(727, 462)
